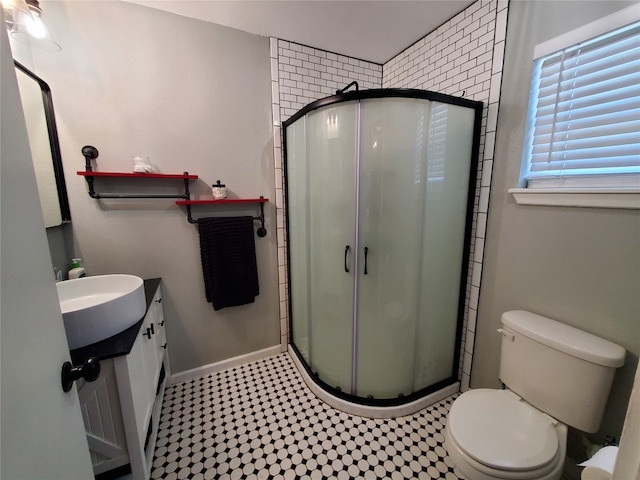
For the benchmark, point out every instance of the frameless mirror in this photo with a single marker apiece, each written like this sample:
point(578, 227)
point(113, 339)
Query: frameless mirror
point(45, 148)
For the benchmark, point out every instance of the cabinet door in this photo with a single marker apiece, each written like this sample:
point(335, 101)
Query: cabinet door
point(102, 416)
point(137, 375)
point(151, 347)
point(160, 338)
point(147, 384)
point(132, 374)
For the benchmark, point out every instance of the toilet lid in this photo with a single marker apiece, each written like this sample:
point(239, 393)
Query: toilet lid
point(498, 429)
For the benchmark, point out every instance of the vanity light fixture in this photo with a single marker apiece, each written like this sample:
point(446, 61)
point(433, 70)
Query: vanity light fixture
point(26, 24)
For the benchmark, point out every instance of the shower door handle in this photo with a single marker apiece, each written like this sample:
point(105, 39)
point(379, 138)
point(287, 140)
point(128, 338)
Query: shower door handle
point(346, 253)
point(366, 253)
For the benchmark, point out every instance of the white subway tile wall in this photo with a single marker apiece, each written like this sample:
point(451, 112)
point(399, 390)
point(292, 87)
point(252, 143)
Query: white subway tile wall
point(307, 74)
point(463, 57)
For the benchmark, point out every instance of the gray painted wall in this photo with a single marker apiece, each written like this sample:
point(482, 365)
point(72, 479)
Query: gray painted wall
point(577, 265)
point(193, 96)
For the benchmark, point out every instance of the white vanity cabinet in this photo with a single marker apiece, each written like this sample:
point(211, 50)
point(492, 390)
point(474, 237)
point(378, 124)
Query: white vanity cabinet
point(122, 409)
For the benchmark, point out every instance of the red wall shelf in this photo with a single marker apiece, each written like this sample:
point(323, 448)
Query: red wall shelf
point(222, 200)
point(179, 176)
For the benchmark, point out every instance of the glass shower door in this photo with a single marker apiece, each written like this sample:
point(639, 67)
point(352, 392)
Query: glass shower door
point(414, 180)
point(392, 175)
point(324, 285)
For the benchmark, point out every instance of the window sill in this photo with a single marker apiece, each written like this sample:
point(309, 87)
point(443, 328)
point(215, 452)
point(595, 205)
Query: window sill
point(625, 198)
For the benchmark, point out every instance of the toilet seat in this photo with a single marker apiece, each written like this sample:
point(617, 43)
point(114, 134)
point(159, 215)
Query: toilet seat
point(498, 435)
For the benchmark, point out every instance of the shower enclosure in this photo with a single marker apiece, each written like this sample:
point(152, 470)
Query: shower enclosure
point(380, 188)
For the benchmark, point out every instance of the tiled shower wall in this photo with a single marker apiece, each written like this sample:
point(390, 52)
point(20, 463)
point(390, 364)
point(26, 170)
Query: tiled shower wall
point(463, 57)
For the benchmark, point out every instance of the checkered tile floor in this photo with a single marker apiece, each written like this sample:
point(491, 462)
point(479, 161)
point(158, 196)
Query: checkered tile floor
point(260, 421)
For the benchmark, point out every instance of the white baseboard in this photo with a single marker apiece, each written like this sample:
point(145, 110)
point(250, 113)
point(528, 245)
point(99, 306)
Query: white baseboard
point(194, 373)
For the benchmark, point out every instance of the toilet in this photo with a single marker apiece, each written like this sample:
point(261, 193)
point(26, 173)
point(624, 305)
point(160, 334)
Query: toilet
point(555, 375)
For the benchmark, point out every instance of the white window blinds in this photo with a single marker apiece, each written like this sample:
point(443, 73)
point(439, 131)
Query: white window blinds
point(584, 123)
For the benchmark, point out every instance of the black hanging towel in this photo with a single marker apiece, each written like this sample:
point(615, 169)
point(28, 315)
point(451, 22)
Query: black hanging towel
point(228, 254)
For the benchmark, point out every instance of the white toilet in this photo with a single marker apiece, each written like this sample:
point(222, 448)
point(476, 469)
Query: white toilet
point(555, 376)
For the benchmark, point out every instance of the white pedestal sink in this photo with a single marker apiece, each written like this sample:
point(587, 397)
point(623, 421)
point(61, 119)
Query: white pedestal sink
point(95, 308)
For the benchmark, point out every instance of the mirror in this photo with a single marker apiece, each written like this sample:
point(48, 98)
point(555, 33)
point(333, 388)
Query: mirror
point(45, 148)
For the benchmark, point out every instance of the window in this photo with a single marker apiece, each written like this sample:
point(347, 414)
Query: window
point(583, 130)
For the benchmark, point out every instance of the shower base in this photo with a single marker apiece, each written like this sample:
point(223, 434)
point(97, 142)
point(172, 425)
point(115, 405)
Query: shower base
point(367, 410)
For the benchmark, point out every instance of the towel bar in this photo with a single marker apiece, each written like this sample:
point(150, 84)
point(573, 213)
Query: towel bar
point(261, 232)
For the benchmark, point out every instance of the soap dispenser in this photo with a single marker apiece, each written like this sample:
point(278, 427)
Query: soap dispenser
point(76, 270)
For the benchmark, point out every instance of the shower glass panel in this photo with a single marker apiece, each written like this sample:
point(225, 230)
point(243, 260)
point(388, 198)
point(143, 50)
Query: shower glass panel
point(331, 230)
point(393, 158)
point(297, 175)
point(444, 209)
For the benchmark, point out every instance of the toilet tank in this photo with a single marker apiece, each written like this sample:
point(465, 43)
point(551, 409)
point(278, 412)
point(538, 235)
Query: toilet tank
point(561, 370)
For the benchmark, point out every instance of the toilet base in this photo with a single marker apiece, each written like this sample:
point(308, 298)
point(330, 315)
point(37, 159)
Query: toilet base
point(473, 470)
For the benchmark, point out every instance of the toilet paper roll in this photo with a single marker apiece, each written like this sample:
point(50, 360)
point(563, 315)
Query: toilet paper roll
point(601, 465)
point(595, 473)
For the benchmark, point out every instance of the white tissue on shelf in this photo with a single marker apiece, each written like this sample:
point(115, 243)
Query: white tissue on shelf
point(142, 165)
point(142, 168)
point(601, 465)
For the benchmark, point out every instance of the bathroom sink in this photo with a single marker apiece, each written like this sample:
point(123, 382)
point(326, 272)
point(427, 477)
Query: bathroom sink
point(95, 308)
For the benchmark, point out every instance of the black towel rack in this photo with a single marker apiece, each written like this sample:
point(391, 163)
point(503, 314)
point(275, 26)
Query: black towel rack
point(261, 232)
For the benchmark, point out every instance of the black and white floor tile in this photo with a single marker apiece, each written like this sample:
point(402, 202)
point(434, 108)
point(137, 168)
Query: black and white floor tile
point(260, 421)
